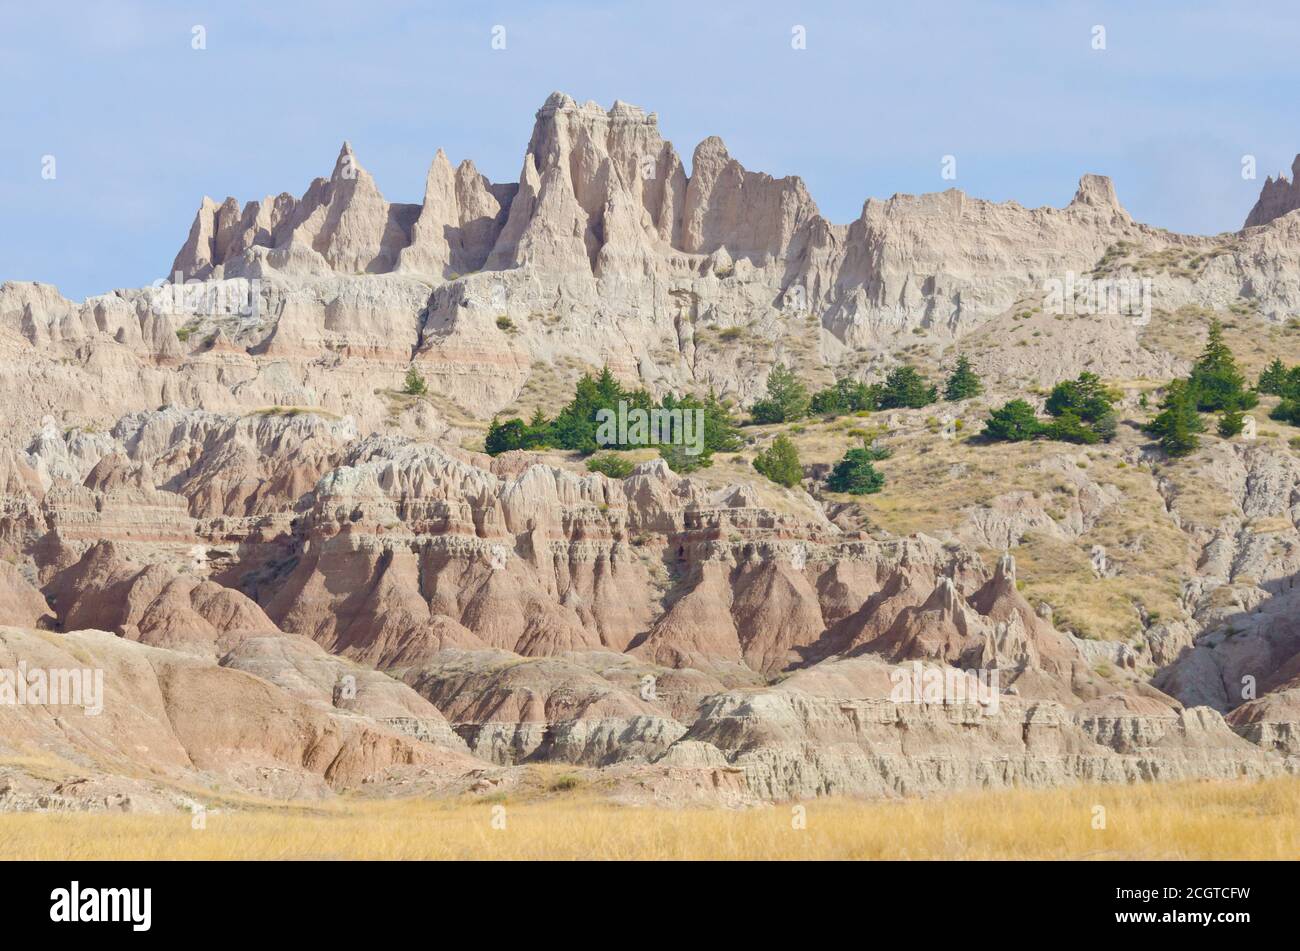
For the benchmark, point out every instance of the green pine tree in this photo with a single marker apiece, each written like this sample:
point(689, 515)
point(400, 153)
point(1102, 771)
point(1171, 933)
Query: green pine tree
point(1069, 427)
point(1291, 388)
point(414, 385)
point(1231, 423)
point(1015, 421)
point(576, 425)
point(720, 434)
point(1177, 424)
point(786, 401)
point(610, 464)
point(1105, 426)
point(1086, 397)
point(1216, 382)
point(1180, 437)
point(538, 431)
point(780, 463)
point(962, 383)
point(905, 388)
point(608, 390)
point(505, 437)
point(1273, 379)
point(1286, 411)
point(843, 396)
point(855, 474)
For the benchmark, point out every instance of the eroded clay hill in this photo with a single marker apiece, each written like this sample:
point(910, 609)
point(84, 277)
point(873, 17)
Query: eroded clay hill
point(425, 618)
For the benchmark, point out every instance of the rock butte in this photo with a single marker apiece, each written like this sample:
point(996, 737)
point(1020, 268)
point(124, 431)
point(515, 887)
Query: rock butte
point(299, 582)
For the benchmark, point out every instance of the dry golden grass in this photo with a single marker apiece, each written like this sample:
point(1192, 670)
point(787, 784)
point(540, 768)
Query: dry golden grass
point(932, 484)
point(549, 386)
point(293, 411)
point(1205, 820)
point(448, 409)
point(1150, 554)
point(1254, 342)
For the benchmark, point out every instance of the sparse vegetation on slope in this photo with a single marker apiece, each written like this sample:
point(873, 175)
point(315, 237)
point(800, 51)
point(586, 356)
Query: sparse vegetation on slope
point(414, 384)
point(603, 414)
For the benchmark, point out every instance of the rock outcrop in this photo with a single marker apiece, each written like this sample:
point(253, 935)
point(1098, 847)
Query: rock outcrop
point(186, 721)
point(835, 730)
point(1278, 197)
point(341, 223)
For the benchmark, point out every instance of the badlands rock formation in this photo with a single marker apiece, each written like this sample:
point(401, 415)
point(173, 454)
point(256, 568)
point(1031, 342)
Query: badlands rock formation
point(441, 604)
point(606, 231)
point(298, 580)
point(604, 253)
point(1279, 197)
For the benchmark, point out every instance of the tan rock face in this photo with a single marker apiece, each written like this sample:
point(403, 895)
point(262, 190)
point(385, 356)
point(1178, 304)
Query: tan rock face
point(458, 223)
point(1278, 197)
point(341, 223)
point(21, 603)
point(836, 729)
point(154, 604)
point(551, 709)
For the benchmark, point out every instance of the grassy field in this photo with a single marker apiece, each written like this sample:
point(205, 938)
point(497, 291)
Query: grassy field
point(1201, 820)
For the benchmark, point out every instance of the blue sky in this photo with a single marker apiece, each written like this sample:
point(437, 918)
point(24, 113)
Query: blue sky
point(142, 126)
